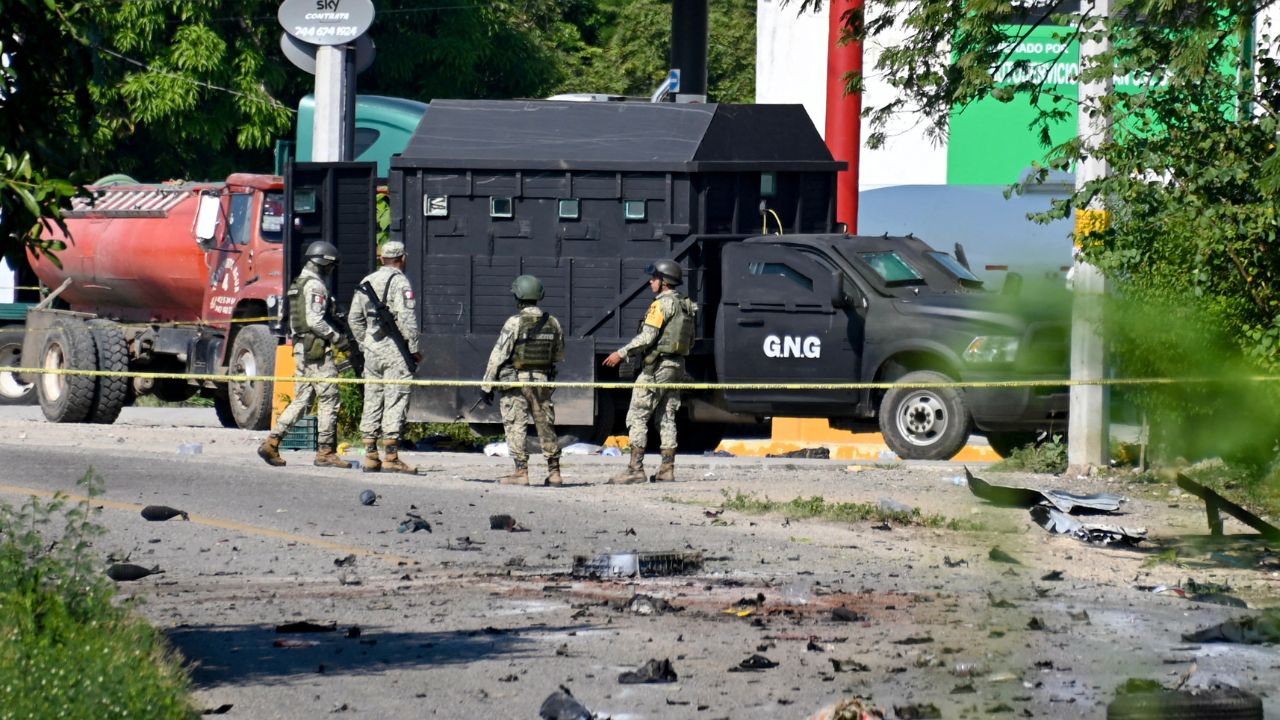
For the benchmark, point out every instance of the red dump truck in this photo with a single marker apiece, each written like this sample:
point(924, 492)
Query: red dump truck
point(162, 278)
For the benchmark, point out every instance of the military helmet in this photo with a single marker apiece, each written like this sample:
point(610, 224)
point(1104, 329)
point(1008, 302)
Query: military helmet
point(322, 253)
point(528, 288)
point(669, 270)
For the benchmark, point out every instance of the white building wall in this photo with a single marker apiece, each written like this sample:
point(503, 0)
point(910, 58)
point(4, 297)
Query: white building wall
point(791, 67)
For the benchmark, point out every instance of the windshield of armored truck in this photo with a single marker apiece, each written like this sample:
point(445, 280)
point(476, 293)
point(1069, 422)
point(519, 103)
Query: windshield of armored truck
point(954, 267)
point(891, 267)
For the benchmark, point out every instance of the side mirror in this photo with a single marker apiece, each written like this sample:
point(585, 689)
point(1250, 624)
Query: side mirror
point(841, 228)
point(207, 214)
point(845, 293)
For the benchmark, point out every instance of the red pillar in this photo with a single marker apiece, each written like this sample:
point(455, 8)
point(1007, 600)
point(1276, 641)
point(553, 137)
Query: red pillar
point(844, 112)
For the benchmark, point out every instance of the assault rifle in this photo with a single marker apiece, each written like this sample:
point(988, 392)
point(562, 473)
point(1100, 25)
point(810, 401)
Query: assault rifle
point(389, 325)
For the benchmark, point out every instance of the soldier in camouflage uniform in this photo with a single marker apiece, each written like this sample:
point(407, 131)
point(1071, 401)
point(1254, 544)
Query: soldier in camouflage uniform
point(314, 337)
point(385, 404)
point(528, 348)
point(665, 338)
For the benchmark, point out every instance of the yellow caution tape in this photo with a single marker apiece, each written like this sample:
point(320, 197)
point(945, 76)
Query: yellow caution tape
point(1063, 382)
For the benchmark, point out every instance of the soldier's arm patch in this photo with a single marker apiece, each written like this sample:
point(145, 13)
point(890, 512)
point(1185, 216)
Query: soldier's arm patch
point(655, 317)
point(408, 298)
point(317, 302)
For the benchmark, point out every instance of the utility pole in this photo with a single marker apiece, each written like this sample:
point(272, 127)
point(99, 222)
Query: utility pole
point(329, 129)
point(1088, 432)
point(844, 111)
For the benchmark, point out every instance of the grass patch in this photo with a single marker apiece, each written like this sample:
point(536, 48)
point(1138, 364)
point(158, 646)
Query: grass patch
point(817, 507)
point(1047, 457)
point(65, 649)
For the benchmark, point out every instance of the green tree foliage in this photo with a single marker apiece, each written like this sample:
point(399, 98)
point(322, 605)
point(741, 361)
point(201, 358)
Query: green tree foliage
point(634, 56)
point(1194, 179)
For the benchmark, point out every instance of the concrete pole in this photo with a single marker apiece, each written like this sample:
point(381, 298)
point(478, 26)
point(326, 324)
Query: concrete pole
point(1088, 433)
point(329, 136)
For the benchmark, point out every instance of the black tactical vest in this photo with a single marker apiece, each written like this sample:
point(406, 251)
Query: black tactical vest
point(535, 344)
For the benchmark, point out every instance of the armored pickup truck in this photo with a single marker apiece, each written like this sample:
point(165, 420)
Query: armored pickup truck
point(586, 195)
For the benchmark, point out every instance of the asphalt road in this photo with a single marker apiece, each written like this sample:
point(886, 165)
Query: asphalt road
point(466, 621)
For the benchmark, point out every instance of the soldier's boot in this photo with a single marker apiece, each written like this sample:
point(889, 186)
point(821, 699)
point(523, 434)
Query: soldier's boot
point(372, 463)
point(391, 459)
point(269, 450)
point(667, 469)
point(635, 469)
point(553, 472)
point(326, 457)
point(519, 476)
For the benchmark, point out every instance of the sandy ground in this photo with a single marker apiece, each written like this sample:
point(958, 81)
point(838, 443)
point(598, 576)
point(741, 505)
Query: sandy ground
point(467, 621)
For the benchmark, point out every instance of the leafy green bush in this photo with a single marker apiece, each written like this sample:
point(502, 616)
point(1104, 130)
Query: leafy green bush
point(1048, 457)
point(65, 650)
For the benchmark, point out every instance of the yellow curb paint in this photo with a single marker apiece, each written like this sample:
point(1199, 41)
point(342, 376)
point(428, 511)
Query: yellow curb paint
point(221, 524)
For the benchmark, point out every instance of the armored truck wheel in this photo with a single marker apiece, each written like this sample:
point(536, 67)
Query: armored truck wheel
point(924, 423)
point(12, 390)
point(110, 393)
point(68, 345)
point(222, 406)
point(252, 353)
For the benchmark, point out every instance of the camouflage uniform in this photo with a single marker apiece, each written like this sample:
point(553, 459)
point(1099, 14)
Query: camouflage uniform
point(519, 406)
point(645, 402)
point(384, 405)
point(316, 296)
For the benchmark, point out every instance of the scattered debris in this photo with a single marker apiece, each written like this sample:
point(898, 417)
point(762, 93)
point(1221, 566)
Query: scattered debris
point(652, 672)
point(1215, 503)
point(160, 513)
point(1254, 630)
point(561, 705)
point(1052, 576)
point(848, 666)
point(348, 561)
point(815, 453)
point(128, 572)
point(917, 711)
point(999, 602)
point(844, 614)
point(1146, 704)
point(306, 627)
point(465, 543)
point(946, 560)
point(1026, 498)
point(222, 709)
point(1062, 524)
point(914, 640)
point(636, 564)
point(1036, 624)
point(413, 523)
point(505, 522)
point(368, 497)
point(649, 605)
point(1212, 593)
point(1000, 556)
point(754, 663)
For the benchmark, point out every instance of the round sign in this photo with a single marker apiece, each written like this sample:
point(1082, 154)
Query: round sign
point(326, 22)
point(303, 55)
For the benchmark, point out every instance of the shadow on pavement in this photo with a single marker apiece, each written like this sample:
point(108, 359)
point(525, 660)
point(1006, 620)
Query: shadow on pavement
point(231, 654)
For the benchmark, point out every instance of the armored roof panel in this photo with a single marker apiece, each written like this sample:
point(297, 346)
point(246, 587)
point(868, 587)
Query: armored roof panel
point(671, 137)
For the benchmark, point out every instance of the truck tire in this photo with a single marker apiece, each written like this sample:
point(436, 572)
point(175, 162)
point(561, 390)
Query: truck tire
point(924, 423)
point(252, 353)
point(68, 345)
point(222, 406)
point(12, 390)
point(1220, 704)
point(110, 393)
point(1004, 443)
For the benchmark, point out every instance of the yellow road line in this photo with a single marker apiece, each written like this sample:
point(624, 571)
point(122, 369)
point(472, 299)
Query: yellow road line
point(220, 523)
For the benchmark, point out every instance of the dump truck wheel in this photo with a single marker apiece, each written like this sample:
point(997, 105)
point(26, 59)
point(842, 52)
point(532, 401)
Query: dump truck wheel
point(68, 345)
point(252, 353)
point(113, 356)
point(1223, 704)
point(924, 423)
point(222, 406)
point(12, 390)
point(1004, 443)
